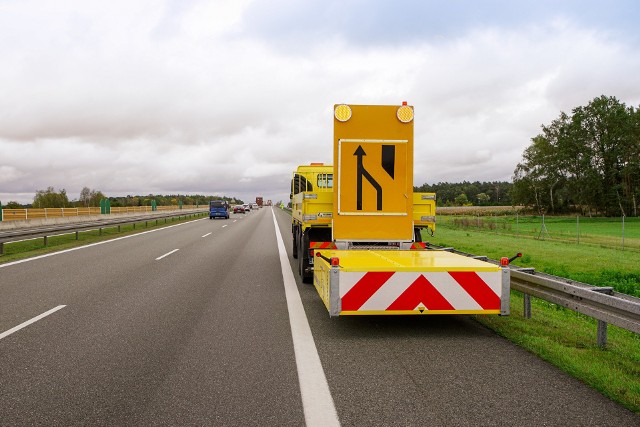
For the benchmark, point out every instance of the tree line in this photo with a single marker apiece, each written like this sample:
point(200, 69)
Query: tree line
point(588, 161)
point(494, 193)
point(50, 198)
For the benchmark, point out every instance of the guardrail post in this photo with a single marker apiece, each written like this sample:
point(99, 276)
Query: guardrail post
point(45, 240)
point(527, 306)
point(146, 224)
point(602, 334)
point(77, 235)
point(100, 230)
point(134, 225)
point(118, 229)
point(1, 248)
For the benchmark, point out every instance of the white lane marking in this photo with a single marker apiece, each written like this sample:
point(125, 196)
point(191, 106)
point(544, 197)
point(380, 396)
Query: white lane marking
point(28, 322)
point(224, 225)
point(8, 264)
point(167, 254)
point(206, 235)
point(317, 403)
point(234, 220)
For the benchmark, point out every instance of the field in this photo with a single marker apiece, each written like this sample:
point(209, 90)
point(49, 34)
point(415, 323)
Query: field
point(599, 254)
point(560, 336)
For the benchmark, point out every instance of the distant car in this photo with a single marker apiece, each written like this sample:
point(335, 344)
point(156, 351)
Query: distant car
point(254, 206)
point(238, 209)
point(218, 209)
point(247, 208)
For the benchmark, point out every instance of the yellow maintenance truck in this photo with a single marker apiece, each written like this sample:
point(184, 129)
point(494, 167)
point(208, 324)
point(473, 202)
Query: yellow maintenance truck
point(357, 227)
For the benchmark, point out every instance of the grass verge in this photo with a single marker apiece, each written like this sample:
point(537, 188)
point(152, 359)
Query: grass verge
point(558, 335)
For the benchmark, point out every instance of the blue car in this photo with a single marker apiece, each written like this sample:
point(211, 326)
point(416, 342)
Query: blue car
point(218, 209)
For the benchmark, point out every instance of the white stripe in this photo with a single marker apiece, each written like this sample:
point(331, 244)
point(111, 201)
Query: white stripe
point(167, 254)
point(452, 291)
point(234, 220)
point(206, 235)
point(224, 225)
point(28, 322)
point(317, 402)
point(8, 264)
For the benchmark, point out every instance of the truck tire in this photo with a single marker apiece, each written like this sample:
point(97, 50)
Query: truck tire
point(295, 242)
point(303, 259)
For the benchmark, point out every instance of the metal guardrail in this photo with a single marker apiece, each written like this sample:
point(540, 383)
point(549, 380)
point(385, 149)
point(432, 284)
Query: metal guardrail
point(601, 303)
point(45, 231)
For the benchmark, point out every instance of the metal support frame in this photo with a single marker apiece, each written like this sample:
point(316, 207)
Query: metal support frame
point(335, 303)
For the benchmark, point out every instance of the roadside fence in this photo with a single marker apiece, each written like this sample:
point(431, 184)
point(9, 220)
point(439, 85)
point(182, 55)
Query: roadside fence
point(619, 233)
point(45, 213)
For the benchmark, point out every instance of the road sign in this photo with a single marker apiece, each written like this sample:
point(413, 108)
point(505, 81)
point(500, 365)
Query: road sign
point(373, 173)
point(373, 177)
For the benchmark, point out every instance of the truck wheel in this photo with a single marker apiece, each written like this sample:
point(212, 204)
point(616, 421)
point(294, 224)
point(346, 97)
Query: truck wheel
point(303, 260)
point(295, 243)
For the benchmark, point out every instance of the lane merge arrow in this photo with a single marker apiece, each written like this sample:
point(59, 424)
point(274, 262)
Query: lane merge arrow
point(362, 172)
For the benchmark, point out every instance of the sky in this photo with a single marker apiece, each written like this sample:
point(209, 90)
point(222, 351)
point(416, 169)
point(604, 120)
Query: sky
point(226, 98)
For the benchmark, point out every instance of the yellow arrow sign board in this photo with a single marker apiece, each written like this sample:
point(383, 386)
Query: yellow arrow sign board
point(373, 162)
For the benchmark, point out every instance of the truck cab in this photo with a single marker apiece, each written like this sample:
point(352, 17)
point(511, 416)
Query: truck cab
point(311, 211)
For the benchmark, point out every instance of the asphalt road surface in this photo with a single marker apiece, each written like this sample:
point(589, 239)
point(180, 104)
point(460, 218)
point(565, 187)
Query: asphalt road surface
point(198, 324)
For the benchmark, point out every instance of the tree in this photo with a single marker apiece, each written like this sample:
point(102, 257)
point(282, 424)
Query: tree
point(483, 198)
point(49, 198)
point(589, 160)
point(13, 205)
point(461, 200)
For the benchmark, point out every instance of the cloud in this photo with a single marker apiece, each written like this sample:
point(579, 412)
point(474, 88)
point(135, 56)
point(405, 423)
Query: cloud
point(219, 97)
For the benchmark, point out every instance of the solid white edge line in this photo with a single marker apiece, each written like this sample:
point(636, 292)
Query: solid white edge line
point(206, 235)
point(28, 322)
point(167, 254)
point(90, 245)
point(317, 402)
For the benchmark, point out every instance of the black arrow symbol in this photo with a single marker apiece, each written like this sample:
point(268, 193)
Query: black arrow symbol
point(361, 171)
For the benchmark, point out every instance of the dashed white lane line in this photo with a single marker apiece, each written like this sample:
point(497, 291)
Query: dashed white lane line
point(317, 402)
point(167, 254)
point(90, 245)
point(224, 225)
point(234, 220)
point(206, 235)
point(28, 322)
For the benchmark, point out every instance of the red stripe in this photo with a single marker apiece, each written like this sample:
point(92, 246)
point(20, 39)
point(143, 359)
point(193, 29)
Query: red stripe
point(477, 289)
point(364, 289)
point(421, 291)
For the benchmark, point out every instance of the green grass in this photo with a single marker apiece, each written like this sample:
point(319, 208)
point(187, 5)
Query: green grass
point(599, 266)
point(607, 232)
point(34, 247)
point(560, 336)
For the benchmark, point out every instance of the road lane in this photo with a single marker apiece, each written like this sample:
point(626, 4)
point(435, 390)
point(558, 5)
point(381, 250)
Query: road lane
point(441, 370)
point(200, 337)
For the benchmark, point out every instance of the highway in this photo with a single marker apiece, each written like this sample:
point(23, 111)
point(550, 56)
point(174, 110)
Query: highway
point(192, 325)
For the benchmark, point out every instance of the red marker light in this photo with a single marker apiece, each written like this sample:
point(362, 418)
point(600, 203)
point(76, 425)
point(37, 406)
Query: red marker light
point(335, 261)
point(504, 261)
point(404, 102)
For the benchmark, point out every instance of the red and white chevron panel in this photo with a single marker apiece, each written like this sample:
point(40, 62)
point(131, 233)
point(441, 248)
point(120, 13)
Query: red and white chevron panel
point(411, 291)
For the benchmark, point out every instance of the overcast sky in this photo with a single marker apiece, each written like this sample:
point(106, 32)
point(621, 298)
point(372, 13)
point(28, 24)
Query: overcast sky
point(228, 97)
